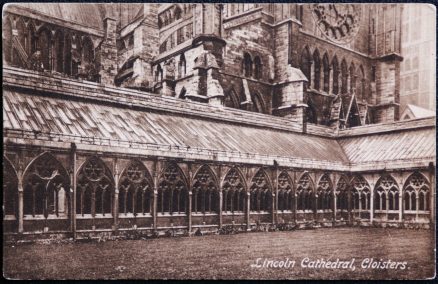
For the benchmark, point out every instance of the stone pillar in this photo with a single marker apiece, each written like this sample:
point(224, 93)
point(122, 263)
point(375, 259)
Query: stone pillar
point(312, 75)
point(432, 194)
point(349, 189)
point(73, 188)
point(155, 195)
point(20, 203)
point(372, 203)
point(248, 200)
point(220, 208)
point(273, 208)
point(348, 83)
point(400, 203)
point(294, 188)
point(116, 195)
point(334, 198)
point(189, 214)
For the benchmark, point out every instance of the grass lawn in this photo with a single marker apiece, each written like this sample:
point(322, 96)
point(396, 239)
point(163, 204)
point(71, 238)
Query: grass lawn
point(228, 256)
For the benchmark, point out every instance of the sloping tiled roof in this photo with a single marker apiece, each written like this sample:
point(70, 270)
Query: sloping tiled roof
point(91, 119)
point(392, 146)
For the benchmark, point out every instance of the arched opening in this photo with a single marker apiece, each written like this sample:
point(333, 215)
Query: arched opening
point(257, 68)
point(95, 189)
point(286, 198)
point(311, 115)
point(182, 93)
point(182, 66)
point(360, 91)
point(258, 103)
point(172, 191)
point(205, 194)
point(260, 192)
point(68, 54)
point(58, 52)
point(305, 64)
point(361, 195)
point(10, 190)
point(416, 194)
point(326, 72)
point(247, 65)
point(341, 195)
point(158, 74)
point(177, 12)
point(305, 194)
point(386, 196)
point(335, 68)
point(232, 100)
point(44, 40)
point(135, 190)
point(234, 194)
point(325, 193)
point(316, 70)
point(46, 187)
point(344, 77)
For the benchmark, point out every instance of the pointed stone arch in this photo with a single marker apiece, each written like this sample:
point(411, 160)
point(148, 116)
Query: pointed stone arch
point(324, 192)
point(361, 193)
point(234, 191)
point(316, 70)
point(335, 72)
point(247, 63)
point(232, 99)
point(416, 193)
point(386, 194)
point(286, 196)
point(95, 188)
point(172, 190)
point(135, 189)
point(46, 187)
point(305, 193)
point(260, 192)
point(306, 63)
point(205, 196)
point(258, 103)
point(326, 73)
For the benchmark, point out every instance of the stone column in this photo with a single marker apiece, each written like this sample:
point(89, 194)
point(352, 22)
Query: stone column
point(312, 75)
point(273, 208)
point(20, 203)
point(73, 188)
point(349, 187)
point(432, 193)
point(330, 74)
point(248, 200)
point(116, 195)
point(294, 189)
point(220, 208)
point(372, 202)
point(334, 198)
point(155, 195)
point(189, 214)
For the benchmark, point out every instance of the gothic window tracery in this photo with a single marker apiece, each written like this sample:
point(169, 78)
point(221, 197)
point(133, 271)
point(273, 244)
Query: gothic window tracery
point(260, 192)
point(234, 195)
point(205, 192)
point(416, 193)
point(247, 65)
point(286, 196)
point(361, 194)
point(10, 189)
point(135, 190)
point(326, 72)
point(316, 70)
point(95, 189)
point(342, 195)
point(172, 191)
point(305, 193)
point(324, 192)
point(46, 188)
point(386, 196)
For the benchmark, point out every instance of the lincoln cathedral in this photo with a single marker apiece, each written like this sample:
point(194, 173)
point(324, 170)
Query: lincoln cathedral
point(184, 118)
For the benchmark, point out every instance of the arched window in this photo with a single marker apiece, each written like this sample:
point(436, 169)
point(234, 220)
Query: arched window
point(205, 192)
point(159, 74)
point(311, 115)
point(335, 68)
point(7, 39)
point(386, 194)
point(326, 71)
point(95, 189)
point(325, 194)
point(182, 66)
point(135, 190)
point(258, 103)
point(317, 70)
point(352, 78)
point(58, 52)
point(344, 77)
point(416, 193)
point(172, 191)
point(68, 54)
point(361, 194)
point(231, 99)
point(177, 12)
point(234, 195)
point(44, 40)
point(286, 198)
point(341, 195)
point(360, 91)
point(260, 192)
point(46, 188)
point(305, 193)
point(305, 64)
point(87, 51)
point(257, 68)
point(247, 65)
point(10, 190)
point(182, 94)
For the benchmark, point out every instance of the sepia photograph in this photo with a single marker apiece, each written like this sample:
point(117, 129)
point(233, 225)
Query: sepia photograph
point(262, 141)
